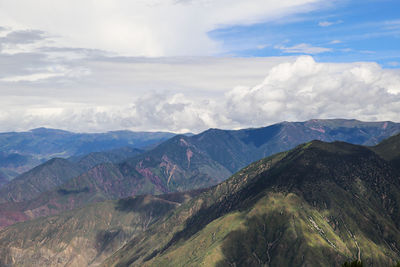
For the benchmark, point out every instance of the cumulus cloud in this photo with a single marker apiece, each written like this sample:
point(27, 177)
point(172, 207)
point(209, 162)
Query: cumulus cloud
point(335, 42)
point(293, 90)
point(100, 93)
point(303, 49)
point(306, 89)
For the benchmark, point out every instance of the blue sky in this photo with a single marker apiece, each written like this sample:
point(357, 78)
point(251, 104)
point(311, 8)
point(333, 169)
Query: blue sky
point(350, 31)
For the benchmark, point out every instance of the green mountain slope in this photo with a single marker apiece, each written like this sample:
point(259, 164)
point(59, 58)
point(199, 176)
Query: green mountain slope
point(317, 205)
point(86, 236)
point(236, 149)
point(389, 149)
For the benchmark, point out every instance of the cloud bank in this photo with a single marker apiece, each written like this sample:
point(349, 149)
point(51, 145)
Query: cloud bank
point(143, 27)
point(294, 90)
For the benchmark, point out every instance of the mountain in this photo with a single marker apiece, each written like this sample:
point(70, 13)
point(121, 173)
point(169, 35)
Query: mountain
point(40, 179)
point(84, 236)
point(319, 204)
point(12, 164)
point(189, 162)
point(57, 171)
point(21, 151)
point(132, 177)
point(3, 178)
point(389, 149)
point(117, 155)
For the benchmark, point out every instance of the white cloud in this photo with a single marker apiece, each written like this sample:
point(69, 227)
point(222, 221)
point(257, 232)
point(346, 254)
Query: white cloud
point(303, 49)
point(325, 23)
point(98, 93)
point(392, 24)
point(335, 42)
point(393, 64)
point(291, 90)
point(144, 27)
point(262, 46)
point(328, 23)
point(306, 89)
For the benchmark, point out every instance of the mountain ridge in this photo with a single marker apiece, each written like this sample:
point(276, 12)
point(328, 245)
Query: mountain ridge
point(319, 204)
point(31, 148)
point(189, 162)
point(292, 182)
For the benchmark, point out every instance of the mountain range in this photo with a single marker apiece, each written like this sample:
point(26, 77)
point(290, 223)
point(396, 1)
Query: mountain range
point(179, 164)
point(318, 204)
point(56, 172)
point(21, 151)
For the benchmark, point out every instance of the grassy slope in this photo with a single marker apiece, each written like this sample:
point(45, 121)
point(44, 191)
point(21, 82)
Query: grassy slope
point(389, 149)
point(83, 237)
point(320, 205)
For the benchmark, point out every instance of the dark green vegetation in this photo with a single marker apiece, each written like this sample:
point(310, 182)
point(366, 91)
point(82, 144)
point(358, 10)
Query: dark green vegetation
point(357, 263)
point(21, 151)
point(320, 204)
point(354, 263)
point(84, 236)
point(389, 150)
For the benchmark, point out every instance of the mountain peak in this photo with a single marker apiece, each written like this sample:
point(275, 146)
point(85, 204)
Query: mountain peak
point(44, 130)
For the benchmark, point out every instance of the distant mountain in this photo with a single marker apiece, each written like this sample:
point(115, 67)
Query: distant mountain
point(12, 164)
point(117, 155)
point(21, 151)
point(132, 177)
point(3, 178)
point(38, 180)
point(57, 171)
point(319, 204)
point(85, 236)
point(190, 162)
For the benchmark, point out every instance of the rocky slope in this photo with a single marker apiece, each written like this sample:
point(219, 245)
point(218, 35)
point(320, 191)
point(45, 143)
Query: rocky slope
point(317, 205)
point(86, 236)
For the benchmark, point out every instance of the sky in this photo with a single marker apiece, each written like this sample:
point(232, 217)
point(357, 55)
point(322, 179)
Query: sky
point(190, 65)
